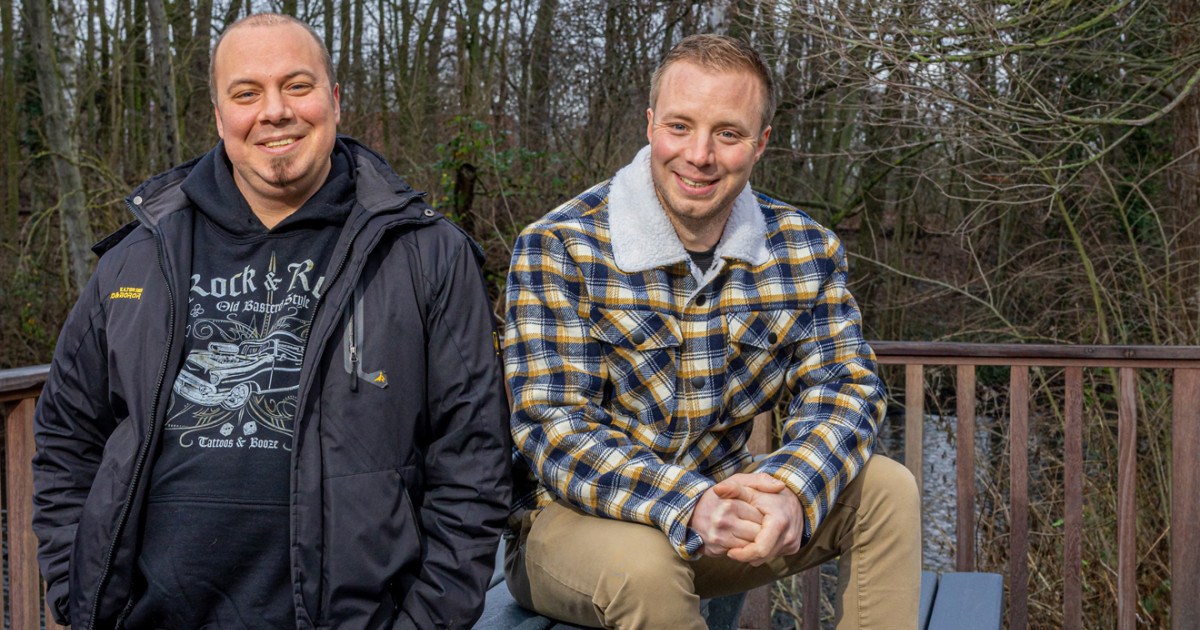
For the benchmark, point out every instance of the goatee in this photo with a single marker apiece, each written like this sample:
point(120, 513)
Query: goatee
point(279, 170)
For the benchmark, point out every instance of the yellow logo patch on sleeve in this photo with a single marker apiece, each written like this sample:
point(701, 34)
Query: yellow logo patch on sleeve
point(126, 293)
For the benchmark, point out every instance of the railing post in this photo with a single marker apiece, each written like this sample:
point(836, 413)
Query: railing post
point(1018, 589)
point(1126, 486)
point(756, 609)
point(914, 423)
point(965, 473)
point(1073, 502)
point(25, 583)
point(1185, 506)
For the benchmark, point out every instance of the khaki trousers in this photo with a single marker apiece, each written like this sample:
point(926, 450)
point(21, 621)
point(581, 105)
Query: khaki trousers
point(605, 573)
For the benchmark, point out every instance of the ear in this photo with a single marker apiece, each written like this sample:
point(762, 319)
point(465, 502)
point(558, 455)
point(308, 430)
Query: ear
point(762, 143)
point(337, 103)
point(217, 116)
point(649, 123)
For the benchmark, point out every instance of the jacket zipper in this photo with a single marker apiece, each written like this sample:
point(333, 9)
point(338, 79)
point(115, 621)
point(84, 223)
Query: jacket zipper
point(302, 389)
point(353, 349)
point(144, 450)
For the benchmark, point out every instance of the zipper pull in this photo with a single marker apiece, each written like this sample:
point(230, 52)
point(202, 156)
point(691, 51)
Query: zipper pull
point(353, 353)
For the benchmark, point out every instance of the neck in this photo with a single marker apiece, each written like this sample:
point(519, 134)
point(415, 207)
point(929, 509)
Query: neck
point(271, 217)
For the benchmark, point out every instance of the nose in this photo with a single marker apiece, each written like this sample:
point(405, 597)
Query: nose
point(275, 108)
point(699, 150)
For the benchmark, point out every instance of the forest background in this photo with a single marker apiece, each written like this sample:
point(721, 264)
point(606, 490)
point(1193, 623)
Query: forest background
point(1000, 170)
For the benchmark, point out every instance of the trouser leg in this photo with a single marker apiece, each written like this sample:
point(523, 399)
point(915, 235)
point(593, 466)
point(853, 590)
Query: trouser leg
point(600, 572)
point(604, 573)
point(874, 529)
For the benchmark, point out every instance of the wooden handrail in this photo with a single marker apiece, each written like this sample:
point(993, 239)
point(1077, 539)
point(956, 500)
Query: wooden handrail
point(1185, 518)
point(25, 382)
point(953, 353)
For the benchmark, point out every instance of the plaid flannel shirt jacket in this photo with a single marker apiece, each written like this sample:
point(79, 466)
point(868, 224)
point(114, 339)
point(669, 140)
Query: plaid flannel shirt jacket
point(635, 376)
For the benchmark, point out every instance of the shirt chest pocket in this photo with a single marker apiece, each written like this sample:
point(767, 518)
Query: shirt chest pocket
point(761, 347)
point(639, 350)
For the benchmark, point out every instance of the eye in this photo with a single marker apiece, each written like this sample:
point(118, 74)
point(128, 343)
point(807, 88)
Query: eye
point(299, 88)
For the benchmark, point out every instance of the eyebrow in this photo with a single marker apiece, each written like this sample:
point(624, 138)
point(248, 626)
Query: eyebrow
point(291, 75)
point(688, 119)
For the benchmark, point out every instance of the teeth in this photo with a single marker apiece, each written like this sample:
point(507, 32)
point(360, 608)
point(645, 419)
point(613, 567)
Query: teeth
point(274, 144)
point(693, 183)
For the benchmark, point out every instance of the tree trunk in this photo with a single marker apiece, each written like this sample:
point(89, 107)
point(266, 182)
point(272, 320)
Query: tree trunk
point(327, 11)
point(343, 53)
point(9, 149)
point(57, 125)
point(433, 56)
point(232, 13)
point(1184, 175)
point(382, 71)
point(164, 75)
point(356, 55)
point(197, 124)
point(538, 97)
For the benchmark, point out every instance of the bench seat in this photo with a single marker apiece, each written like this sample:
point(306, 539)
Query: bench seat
point(951, 601)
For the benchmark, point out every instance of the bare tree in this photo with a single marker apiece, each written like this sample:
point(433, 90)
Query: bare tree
point(57, 128)
point(164, 74)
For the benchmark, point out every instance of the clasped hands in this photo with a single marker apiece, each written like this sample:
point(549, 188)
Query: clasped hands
point(749, 517)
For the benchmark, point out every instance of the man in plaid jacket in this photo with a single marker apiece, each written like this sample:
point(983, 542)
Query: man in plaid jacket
point(648, 321)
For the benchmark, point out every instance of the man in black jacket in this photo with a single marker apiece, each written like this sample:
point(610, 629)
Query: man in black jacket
point(277, 403)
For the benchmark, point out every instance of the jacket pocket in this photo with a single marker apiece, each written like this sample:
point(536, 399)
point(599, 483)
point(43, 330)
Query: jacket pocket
point(373, 547)
point(761, 349)
point(639, 350)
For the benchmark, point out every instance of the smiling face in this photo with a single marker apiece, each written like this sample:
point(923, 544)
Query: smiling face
point(277, 112)
point(705, 137)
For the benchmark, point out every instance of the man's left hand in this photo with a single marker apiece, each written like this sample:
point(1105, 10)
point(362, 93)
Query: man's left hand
point(782, 529)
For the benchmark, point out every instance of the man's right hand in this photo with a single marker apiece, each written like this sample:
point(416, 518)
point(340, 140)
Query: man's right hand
point(724, 516)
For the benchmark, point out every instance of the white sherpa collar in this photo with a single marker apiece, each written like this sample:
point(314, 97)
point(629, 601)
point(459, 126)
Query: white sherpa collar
point(643, 237)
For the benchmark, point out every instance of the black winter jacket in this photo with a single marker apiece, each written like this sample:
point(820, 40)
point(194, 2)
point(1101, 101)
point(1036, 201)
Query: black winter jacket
point(398, 492)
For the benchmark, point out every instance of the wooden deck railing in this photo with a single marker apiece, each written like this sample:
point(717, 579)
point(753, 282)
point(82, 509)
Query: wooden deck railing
point(19, 390)
point(1185, 490)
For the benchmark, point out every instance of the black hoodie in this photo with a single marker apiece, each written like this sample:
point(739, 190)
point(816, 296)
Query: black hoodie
point(214, 547)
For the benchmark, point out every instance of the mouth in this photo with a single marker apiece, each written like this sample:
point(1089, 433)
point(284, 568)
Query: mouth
point(695, 185)
point(276, 144)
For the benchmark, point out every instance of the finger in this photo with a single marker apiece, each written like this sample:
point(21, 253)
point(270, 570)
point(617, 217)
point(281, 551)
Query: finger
point(768, 536)
point(728, 530)
point(748, 554)
point(745, 531)
point(763, 483)
point(729, 489)
point(746, 511)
